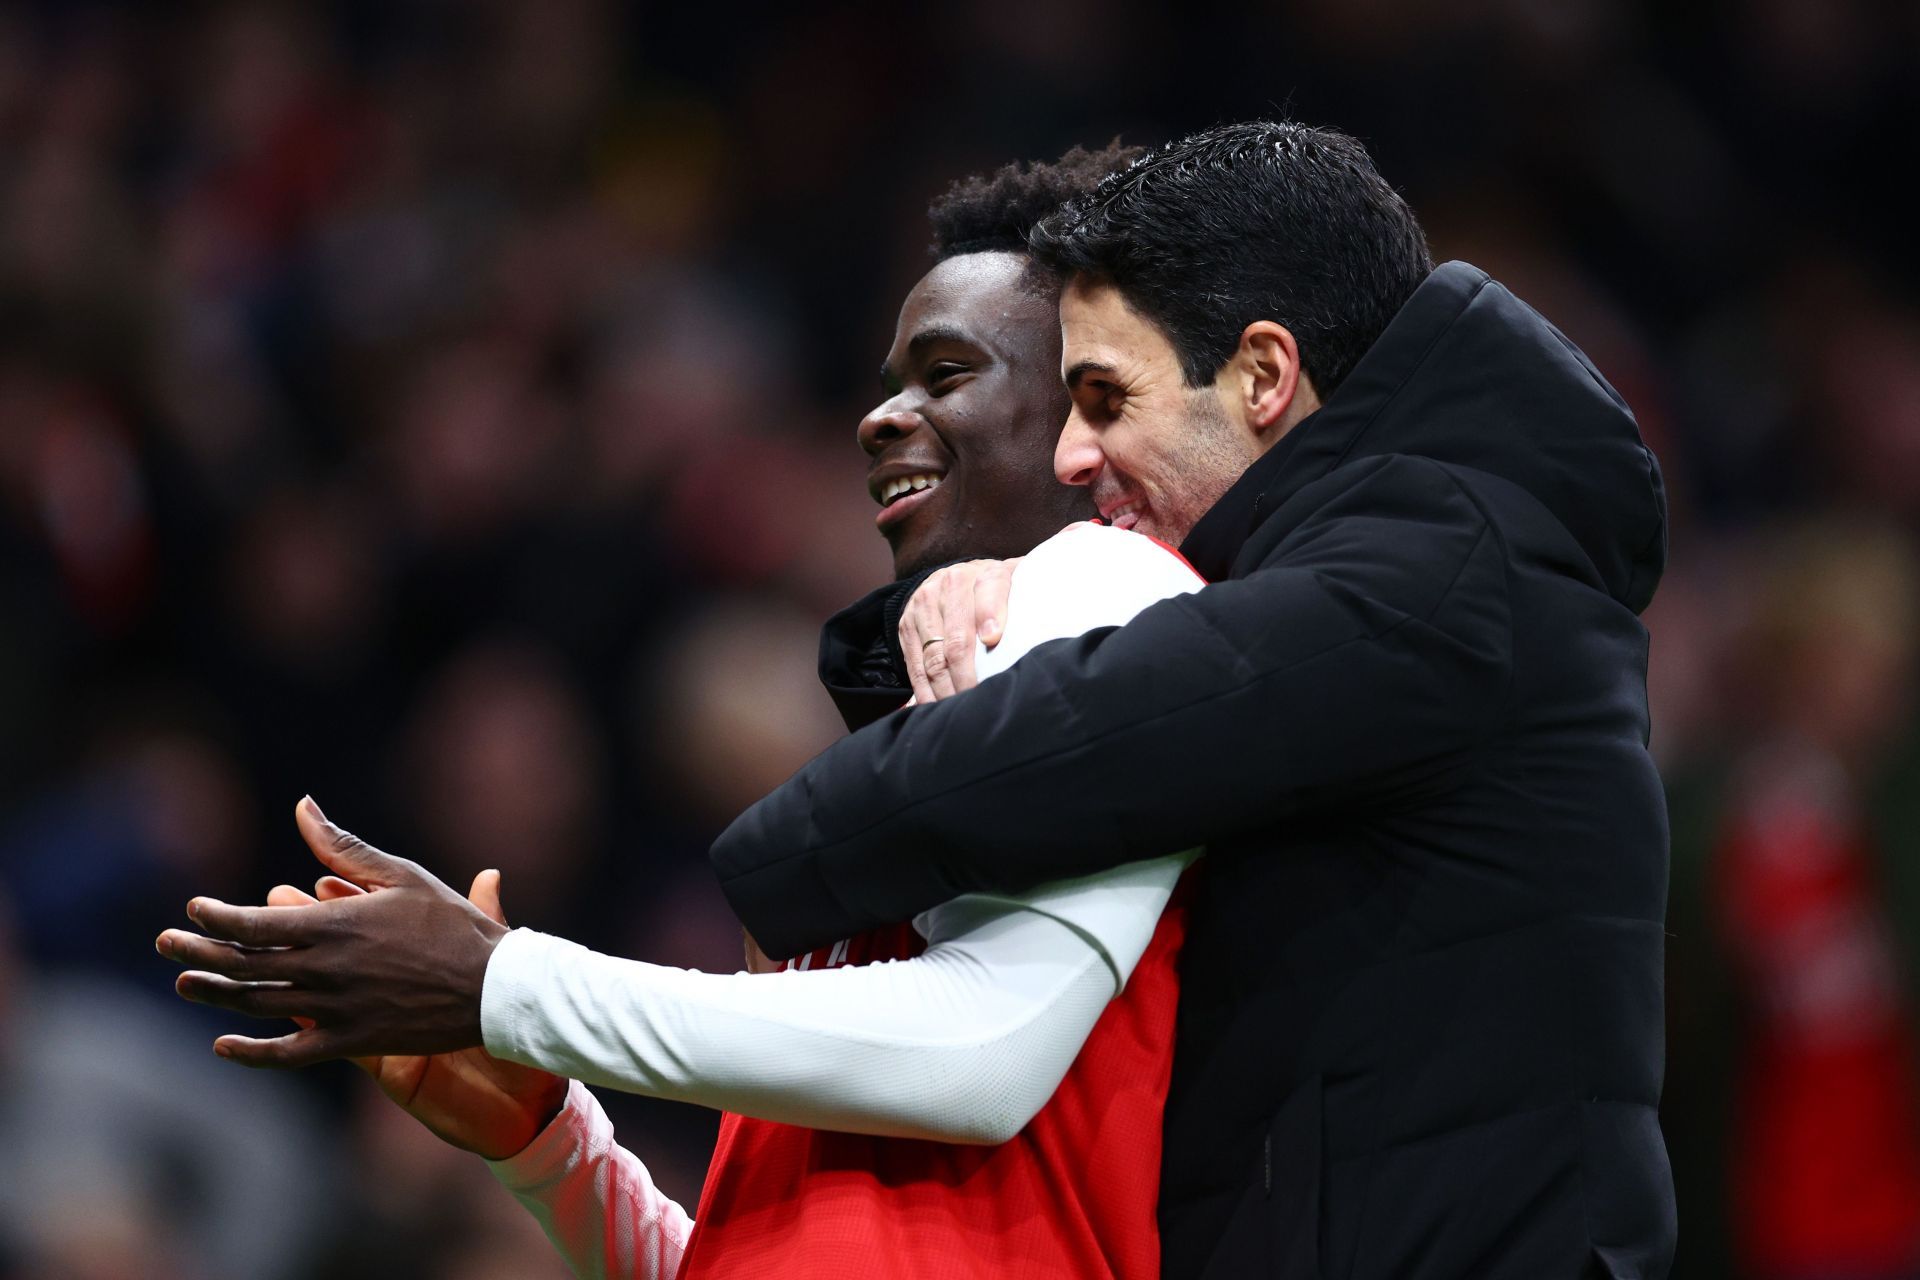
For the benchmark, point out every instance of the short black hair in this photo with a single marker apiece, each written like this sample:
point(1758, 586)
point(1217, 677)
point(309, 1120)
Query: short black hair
point(997, 211)
point(1265, 220)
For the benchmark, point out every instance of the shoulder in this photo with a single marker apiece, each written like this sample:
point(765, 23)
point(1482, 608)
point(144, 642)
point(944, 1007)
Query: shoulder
point(1083, 577)
point(1376, 516)
point(1107, 557)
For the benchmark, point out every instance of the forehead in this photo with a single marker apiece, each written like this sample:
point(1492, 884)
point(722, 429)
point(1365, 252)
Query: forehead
point(1097, 324)
point(983, 294)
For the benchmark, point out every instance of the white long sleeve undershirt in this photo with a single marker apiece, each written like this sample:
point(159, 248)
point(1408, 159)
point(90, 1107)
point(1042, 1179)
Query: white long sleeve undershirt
point(594, 1198)
point(964, 1043)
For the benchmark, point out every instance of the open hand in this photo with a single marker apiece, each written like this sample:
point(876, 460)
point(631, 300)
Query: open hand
point(468, 1098)
point(942, 620)
point(398, 971)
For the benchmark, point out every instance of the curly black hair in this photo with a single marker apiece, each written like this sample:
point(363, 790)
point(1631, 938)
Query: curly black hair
point(996, 211)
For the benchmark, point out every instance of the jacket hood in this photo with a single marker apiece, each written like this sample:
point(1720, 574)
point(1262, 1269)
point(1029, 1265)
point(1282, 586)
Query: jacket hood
point(1469, 375)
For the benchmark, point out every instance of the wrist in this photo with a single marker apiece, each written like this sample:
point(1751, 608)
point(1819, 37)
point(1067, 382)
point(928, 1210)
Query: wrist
point(473, 990)
point(546, 1108)
point(540, 1107)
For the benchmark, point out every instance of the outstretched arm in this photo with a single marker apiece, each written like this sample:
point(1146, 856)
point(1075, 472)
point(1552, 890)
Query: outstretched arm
point(963, 1043)
point(995, 1011)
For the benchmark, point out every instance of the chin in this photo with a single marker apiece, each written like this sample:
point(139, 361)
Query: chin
point(905, 567)
point(916, 555)
point(910, 557)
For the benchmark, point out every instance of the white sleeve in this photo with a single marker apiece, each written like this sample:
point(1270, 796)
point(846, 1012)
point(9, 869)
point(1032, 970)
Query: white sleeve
point(964, 1043)
point(594, 1198)
point(1084, 577)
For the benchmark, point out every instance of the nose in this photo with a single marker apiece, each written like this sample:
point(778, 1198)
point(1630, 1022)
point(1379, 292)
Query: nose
point(885, 425)
point(1077, 459)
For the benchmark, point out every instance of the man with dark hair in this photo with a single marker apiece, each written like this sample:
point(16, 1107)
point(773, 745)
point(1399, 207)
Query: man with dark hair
point(932, 1115)
point(1303, 228)
point(1420, 1031)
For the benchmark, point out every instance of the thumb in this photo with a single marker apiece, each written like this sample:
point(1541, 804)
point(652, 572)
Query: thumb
point(344, 854)
point(485, 895)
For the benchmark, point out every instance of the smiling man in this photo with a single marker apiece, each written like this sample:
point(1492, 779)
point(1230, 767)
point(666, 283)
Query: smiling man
point(1126, 381)
point(977, 1138)
point(1420, 1027)
point(970, 354)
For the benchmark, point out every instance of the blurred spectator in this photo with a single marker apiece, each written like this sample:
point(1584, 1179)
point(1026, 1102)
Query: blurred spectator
point(422, 1210)
point(157, 813)
point(134, 1151)
point(503, 769)
point(1826, 1159)
point(739, 707)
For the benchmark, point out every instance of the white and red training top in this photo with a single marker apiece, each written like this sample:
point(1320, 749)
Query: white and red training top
point(921, 1103)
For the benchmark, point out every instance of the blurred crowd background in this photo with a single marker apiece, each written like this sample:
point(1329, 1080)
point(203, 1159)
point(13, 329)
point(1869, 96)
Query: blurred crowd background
point(447, 409)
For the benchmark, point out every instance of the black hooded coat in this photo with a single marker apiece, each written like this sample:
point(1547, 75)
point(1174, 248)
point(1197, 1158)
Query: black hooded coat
point(1420, 1031)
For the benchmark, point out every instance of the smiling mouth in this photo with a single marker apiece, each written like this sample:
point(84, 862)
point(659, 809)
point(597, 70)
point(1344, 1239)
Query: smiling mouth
point(1125, 515)
point(894, 490)
point(901, 496)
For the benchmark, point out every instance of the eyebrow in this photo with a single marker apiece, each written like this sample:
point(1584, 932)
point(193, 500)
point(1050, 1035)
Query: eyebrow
point(933, 335)
point(1081, 368)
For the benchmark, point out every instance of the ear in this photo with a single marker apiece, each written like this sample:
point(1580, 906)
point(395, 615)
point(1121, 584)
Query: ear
point(1269, 389)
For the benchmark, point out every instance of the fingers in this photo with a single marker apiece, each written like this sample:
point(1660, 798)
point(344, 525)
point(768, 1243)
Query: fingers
point(330, 888)
point(299, 1049)
point(255, 999)
point(485, 895)
point(947, 639)
point(935, 651)
point(244, 963)
point(285, 895)
point(961, 628)
point(913, 637)
point(345, 854)
point(369, 1065)
point(990, 592)
point(925, 643)
point(939, 626)
point(273, 926)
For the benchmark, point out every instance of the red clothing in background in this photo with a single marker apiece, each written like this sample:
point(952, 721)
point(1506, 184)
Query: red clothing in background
point(1826, 1161)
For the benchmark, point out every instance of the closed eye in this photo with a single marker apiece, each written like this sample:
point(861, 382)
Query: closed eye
point(1099, 398)
point(941, 375)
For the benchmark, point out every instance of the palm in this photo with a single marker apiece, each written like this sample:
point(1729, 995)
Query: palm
point(470, 1098)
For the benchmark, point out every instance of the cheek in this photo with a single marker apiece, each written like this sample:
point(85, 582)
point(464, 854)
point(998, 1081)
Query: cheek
point(1147, 449)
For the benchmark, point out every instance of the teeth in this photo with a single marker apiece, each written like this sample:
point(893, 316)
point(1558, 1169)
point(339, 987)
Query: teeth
point(907, 484)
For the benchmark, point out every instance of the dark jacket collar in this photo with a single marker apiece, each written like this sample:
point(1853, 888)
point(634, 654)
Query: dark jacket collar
point(1218, 536)
point(860, 654)
point(1468, 375)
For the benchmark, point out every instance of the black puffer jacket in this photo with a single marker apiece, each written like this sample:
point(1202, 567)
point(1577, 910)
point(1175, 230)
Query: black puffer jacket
point(1421, 1015)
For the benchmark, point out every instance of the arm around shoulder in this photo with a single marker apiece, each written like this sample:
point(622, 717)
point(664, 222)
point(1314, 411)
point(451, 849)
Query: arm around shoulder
point(1366, 654)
